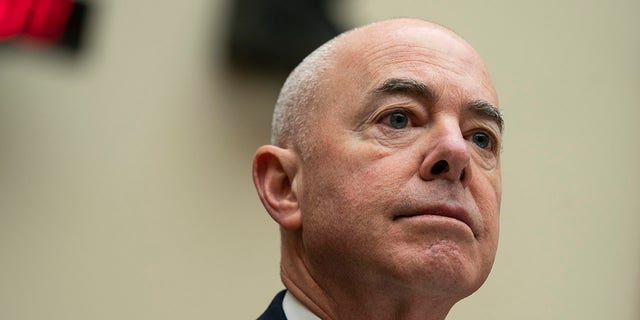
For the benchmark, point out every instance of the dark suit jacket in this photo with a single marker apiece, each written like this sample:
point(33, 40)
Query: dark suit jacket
point(275, 311)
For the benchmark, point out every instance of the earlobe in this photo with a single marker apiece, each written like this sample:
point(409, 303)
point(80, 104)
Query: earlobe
point(274, 170)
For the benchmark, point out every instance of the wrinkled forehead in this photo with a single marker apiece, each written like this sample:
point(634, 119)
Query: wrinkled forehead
point(407, 49)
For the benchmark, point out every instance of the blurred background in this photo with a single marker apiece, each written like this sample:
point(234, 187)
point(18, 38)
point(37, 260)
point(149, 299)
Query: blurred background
point(125, 188)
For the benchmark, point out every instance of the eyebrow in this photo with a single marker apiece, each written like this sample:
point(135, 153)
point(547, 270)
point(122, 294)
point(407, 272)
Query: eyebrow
point(405, 85)
point(487, 110)
point(480, 108)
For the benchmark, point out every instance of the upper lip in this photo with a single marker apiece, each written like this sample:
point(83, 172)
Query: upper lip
point(449, 211)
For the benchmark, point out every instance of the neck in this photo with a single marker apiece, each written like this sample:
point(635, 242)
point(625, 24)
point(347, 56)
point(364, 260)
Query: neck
point(334, 296)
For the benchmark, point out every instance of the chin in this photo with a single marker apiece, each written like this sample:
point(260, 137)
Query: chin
point(444, 269)
point(456, 284)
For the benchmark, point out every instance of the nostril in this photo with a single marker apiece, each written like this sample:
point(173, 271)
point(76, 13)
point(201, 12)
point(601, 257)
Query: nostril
point(440, 167)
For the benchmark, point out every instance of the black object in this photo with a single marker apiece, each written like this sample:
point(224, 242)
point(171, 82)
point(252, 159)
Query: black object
point(72, 38)
point(277, 34)
point(275, 311)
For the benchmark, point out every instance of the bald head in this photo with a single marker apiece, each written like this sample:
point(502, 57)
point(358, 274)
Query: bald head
point(302, 94)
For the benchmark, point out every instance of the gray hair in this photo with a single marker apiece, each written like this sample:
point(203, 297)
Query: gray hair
point(298, 99)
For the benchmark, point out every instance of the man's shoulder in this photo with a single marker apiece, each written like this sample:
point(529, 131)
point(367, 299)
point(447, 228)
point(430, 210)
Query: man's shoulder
point(275, 311)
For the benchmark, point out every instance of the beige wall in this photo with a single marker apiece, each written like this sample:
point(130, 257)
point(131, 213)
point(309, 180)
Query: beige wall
point(125, 186)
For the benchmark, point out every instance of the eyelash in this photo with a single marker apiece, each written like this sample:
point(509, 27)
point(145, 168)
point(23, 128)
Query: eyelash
point(384, 117)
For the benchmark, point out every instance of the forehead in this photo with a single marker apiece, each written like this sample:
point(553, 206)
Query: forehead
point(369, 57)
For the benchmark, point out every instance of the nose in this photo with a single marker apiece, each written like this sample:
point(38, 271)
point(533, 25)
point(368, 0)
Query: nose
point(447, 157)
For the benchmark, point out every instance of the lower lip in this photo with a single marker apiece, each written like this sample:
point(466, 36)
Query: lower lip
point(436, 220)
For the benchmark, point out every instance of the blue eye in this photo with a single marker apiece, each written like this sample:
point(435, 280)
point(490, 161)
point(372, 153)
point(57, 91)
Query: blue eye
point(481, 139)
point(398, 120)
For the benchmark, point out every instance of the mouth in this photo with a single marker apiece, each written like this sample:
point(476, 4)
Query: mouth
point(441, 211)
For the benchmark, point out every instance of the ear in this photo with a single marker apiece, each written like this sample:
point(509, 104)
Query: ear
point(274, 170)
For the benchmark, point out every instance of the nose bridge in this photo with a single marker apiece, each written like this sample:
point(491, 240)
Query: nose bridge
point(446, 134)
point(447, 154)
point(449, 138)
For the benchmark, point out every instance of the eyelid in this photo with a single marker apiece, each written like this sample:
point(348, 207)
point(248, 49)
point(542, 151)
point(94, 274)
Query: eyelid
point(408, 111)
point(488, 126)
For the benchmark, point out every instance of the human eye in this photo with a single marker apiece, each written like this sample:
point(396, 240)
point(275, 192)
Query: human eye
point(485, 140)
point(482, 140)
point(397, 119)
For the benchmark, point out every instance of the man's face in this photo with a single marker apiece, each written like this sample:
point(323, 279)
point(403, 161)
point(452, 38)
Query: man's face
point(402, 186)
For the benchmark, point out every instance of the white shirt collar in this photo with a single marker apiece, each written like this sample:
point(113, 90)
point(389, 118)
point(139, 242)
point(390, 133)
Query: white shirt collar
point(295, 310)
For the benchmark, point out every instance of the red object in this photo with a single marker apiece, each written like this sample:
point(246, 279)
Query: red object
point(39, 19)
point(14, 15)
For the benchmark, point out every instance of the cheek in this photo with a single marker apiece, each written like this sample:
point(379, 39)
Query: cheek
point(487, 195)
point(358, 169)
point(351, 184)
point(350, 188)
